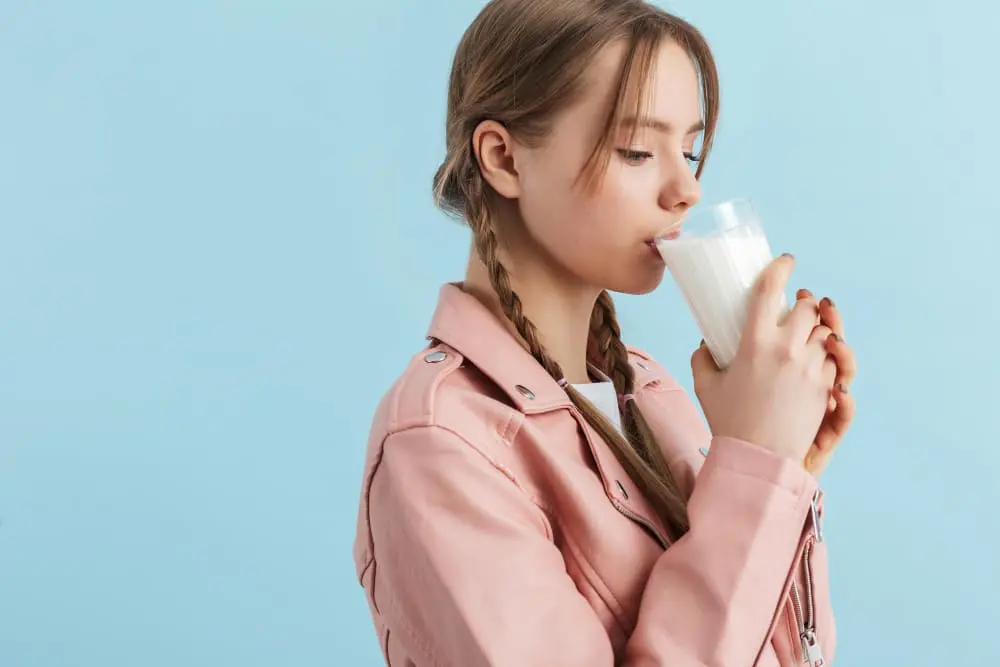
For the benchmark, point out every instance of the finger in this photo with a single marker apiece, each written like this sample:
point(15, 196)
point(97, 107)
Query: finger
point(829, 372)
point(830, 316)
point(834, 428)
point(703, 367)
point(816, 460)
point(767, 299)
point(817, 344)
point(819, 335)
point(803, 317)
point(836, 424)
point(847, 364)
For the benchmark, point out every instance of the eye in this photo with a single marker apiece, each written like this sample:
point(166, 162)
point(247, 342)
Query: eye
point(692, 158)
point(634, 157)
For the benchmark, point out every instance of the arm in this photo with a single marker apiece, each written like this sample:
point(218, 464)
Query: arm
point(466, 574)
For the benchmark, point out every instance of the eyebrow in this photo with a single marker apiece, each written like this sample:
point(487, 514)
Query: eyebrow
point(660, 125)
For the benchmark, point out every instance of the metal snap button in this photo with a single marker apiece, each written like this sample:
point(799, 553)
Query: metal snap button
point(524, 391)
point(435, 357)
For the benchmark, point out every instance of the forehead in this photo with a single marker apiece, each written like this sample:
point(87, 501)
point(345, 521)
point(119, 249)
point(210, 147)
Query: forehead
point(670, 93)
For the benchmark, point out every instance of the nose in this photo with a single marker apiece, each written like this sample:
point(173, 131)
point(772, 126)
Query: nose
point(681, 189)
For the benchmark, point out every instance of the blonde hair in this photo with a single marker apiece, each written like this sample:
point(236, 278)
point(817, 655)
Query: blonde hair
point(519, 63)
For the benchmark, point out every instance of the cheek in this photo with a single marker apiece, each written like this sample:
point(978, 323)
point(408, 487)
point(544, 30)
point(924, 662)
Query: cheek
point(572, 225)
point(607, 245)
point(550, 204)
point(618, 213)
point(632, 189)
point(595, 235)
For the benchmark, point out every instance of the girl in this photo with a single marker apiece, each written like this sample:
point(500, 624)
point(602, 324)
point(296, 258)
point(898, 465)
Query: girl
point(537, 492)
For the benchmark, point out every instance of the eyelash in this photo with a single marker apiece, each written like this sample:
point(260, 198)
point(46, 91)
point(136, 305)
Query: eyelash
point(630, 155)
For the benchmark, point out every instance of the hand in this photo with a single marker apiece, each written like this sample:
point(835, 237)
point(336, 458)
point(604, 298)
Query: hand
point(775, 392)
point(841, 410)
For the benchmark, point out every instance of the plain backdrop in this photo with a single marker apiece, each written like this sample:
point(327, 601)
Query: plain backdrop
point(218, 249)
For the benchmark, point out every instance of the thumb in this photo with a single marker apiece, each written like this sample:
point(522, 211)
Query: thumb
point(703, 367)
point(764, 307)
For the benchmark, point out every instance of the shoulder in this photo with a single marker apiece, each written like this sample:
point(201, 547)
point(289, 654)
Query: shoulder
point(442, 408)
point(440, 389)
point(441, 423)
point(649, 373)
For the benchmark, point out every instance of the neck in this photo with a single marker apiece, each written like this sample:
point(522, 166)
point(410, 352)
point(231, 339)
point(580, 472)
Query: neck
point(559, 310)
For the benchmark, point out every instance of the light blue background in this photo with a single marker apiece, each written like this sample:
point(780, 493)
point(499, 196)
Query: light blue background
point(217, 249)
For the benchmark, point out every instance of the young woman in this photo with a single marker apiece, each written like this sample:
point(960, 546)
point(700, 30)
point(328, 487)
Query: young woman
point(539, 493)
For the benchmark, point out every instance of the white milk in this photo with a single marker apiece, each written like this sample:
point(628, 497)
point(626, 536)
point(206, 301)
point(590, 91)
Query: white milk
point(716, 273)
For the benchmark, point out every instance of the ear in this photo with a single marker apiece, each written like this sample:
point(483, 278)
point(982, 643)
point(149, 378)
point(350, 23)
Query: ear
point(494, 147)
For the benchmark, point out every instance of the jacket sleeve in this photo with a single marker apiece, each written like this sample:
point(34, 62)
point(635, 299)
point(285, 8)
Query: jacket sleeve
point(467, 574)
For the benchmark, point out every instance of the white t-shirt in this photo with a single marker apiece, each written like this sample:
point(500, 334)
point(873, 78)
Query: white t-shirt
point(605, 397)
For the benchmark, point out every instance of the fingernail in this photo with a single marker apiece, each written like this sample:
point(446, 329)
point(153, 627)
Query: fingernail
point(829, 301)
point(788, 254)
point(842, 389)
point(837, 337)
point(806, 294)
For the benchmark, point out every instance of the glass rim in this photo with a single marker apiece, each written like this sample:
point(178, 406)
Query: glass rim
point(716, 218)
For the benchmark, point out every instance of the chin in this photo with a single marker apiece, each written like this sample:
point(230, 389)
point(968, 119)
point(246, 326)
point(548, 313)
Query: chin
point(637, 284)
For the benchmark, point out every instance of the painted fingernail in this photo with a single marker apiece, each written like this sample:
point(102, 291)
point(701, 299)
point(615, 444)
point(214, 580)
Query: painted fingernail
point(837, 337)
point(829, 302)
point(842, 389)
point(805, 294)
point(788, 254)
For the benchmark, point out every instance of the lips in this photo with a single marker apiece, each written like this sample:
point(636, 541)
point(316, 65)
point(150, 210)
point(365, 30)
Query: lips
point(669, 235)
point(651, 244)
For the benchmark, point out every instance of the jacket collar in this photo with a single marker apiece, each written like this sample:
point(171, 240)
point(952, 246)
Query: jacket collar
point(463, 323)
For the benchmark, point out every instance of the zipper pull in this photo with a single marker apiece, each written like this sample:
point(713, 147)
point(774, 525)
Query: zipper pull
point(814, 652)
point(817, 521)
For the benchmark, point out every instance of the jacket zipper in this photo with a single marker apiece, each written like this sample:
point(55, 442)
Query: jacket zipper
point(812, 652)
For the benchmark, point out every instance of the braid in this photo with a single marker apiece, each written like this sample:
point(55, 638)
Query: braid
point(607, 344)
point(488, 247)
point(612, 354)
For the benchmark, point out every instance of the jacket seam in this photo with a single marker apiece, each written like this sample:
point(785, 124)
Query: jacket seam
point(796, 494)
point(368, 521)
point(418, 642)
point(790, 625)
point(657, 386)
point(510, 428)
point(394, 419)
point(494, 463)
point(603, 591)
point(364, 570)
point(642, 354)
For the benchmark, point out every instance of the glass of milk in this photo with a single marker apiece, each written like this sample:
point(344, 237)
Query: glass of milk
point(715, 261)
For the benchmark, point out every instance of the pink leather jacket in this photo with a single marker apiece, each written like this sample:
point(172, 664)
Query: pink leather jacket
point(496, 529)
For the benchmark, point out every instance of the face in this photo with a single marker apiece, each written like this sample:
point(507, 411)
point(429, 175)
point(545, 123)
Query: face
point(601, 236)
